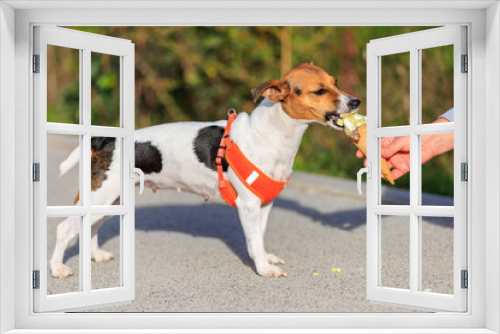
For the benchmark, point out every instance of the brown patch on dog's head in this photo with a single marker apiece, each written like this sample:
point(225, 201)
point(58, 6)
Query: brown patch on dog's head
point(306, 92)
point(274, 90)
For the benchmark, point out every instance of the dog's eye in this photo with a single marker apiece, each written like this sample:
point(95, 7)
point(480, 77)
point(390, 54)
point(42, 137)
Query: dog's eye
point(320, 91)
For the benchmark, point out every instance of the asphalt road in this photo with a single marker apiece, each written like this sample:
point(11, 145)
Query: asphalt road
point(191, 255)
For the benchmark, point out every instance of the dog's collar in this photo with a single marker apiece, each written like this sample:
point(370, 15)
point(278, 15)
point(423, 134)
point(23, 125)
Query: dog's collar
point(252, 177)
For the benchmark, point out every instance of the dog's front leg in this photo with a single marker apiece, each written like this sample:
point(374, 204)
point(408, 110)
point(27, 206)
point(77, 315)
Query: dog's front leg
point(250, 212)
point(264, 217)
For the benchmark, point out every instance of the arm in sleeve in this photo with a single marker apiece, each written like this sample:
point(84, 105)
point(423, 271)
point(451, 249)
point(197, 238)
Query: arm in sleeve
point(449, 115)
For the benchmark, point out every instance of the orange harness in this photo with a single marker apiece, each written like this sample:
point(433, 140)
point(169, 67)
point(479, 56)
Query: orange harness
point(253, 178)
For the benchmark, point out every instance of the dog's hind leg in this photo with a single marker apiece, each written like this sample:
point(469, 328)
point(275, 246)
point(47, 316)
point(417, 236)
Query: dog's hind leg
point(105, 189)
point(98, 255)
point(66, 230)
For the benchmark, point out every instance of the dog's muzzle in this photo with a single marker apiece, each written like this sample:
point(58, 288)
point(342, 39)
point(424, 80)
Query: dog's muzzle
point(332, 118)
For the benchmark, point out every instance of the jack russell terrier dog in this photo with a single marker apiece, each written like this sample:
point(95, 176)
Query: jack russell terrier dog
point(183, 156)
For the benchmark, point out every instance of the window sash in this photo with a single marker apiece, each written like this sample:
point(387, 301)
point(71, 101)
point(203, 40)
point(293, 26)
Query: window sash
point(419, 15)
point(86, 43)
point(413, 43)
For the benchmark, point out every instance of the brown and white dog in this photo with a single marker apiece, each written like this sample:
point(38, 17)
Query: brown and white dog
point(269, 137)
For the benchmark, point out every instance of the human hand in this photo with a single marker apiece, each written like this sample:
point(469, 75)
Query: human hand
point(396, 150)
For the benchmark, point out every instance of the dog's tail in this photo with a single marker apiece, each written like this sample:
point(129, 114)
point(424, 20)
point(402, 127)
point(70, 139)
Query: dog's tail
point(70, 162)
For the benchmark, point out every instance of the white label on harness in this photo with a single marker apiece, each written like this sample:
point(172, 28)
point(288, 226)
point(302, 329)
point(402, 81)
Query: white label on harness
point(251, 179)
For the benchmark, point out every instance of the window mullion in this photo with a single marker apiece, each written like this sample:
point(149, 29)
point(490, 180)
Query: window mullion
point(415, 102)
point(85, 157)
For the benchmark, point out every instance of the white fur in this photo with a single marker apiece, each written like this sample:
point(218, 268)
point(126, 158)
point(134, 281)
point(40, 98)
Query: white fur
point(70, 162)
point(268, 137)
point(344, 105)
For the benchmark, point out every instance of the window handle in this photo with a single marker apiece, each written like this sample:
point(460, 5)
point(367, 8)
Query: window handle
point(368, 172)
point(141, 179)
point(134, 171)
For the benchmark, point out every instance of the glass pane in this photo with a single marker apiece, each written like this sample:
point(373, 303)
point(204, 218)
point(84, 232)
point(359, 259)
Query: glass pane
point(395, 251)
point(63, 170)
point(67, 268)
point(105, 251)
point(437, 254)
point(437, 82)
point(438, 172)
point(395, 91)
point(397, 167)
point(63, 85)
point(105, 170)
point(105, 89)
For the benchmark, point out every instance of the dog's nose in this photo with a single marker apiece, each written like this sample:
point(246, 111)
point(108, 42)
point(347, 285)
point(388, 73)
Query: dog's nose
point(354, 103)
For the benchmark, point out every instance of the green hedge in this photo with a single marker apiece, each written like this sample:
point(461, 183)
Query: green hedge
point(197, 73)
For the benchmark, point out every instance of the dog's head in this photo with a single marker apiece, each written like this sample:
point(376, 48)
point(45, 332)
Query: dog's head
point(309, 93)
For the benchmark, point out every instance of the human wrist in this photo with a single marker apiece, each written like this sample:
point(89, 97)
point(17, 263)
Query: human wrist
point(441, 120)
point(439, 143)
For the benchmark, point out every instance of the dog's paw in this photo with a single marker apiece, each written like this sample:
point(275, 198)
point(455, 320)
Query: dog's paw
point(269, 270)
point(102, 255)
point(273, 259)
point(61, 271)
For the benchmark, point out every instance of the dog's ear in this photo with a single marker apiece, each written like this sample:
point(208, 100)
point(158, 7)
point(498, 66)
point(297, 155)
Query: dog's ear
point(274, 90)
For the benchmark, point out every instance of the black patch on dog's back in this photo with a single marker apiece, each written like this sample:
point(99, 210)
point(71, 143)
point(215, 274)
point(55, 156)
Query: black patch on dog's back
point(148, 157)
point(206, 144)
point(102, 143)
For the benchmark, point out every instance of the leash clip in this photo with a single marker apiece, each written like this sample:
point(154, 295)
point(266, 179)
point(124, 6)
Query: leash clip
point(231, 111)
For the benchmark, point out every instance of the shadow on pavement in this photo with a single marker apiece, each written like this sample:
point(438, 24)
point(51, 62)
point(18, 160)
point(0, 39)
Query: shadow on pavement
point(222, 222)
point(346, 220)
point(217, 221)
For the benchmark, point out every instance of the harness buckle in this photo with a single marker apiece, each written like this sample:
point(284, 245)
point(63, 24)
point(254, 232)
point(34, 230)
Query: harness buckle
point(218, 160)
point(222, 184)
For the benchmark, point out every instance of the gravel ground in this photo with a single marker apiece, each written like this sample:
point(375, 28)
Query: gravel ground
point(191, 255)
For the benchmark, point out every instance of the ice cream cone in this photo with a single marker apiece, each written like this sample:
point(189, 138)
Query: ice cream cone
point(360, 141)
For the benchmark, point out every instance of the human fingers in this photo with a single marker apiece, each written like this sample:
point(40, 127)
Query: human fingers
point(359, 154)
point(401, 163)
point(387, 140)
point(397, 173)
point(399, 144)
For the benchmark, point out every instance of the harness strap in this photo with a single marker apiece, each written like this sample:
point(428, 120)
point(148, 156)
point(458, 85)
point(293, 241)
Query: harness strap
point(252, 177)
point(226, 190)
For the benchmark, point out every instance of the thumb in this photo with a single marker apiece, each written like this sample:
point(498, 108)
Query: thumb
point(393, 148)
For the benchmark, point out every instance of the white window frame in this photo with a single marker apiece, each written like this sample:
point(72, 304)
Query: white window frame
point(414, 43)
point(484, 102)
point(86, 44)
